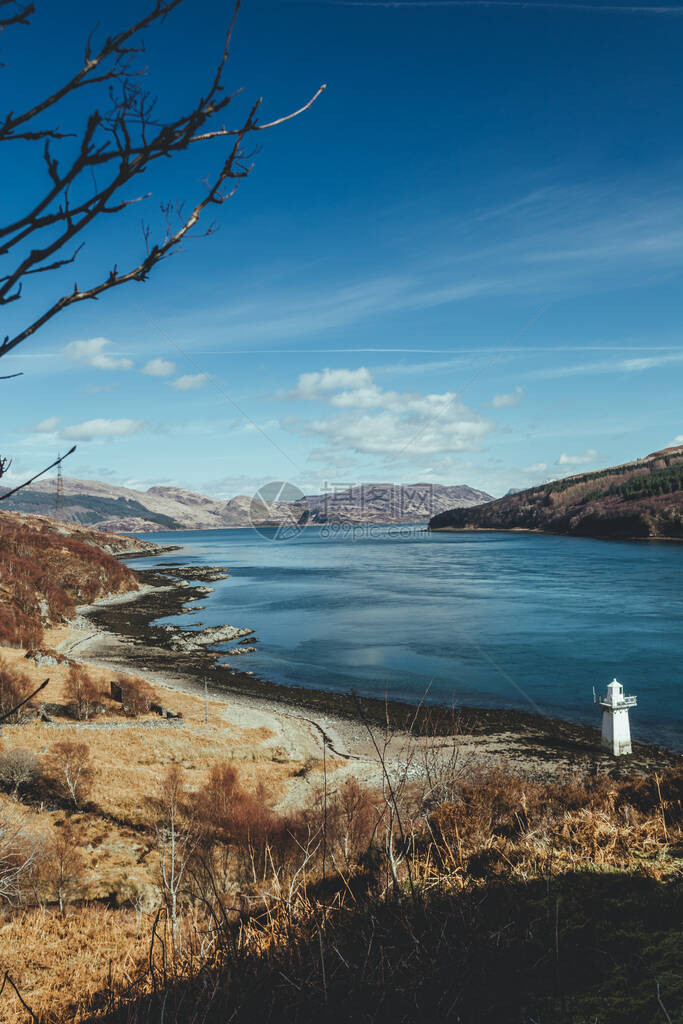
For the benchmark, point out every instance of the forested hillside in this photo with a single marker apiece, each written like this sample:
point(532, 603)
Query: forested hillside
point(638, 500)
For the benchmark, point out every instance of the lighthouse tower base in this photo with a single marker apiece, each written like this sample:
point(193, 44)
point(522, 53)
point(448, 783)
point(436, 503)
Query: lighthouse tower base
point(616, 731)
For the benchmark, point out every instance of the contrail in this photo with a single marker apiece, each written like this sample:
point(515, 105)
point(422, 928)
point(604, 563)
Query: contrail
point(526, 4)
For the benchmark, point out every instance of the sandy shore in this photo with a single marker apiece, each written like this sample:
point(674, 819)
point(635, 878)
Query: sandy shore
point(119, 633)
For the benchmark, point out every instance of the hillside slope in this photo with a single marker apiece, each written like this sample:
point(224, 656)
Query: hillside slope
point(108, 507)
point(48, 568)
point(638, 500)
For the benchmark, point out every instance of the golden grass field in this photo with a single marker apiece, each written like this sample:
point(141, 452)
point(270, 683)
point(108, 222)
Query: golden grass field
point(493, 824)
point(57, 961)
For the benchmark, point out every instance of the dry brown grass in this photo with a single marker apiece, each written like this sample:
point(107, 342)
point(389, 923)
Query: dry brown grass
point(499, 826)
point(495, 825)
point(63, 963)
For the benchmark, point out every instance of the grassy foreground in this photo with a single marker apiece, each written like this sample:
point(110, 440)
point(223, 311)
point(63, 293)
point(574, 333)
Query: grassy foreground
point(584, 947)
point(447, 892)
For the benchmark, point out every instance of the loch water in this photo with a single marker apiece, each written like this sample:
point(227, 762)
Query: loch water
point(481, 619)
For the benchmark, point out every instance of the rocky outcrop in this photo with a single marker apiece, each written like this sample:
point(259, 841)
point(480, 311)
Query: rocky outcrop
point(187, 641)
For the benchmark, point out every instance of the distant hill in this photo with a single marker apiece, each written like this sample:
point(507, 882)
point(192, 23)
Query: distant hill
point(108, 507)
point(390, 503)
point(640, 499)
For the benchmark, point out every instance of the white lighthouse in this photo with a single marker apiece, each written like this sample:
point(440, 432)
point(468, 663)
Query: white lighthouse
point(616, 731)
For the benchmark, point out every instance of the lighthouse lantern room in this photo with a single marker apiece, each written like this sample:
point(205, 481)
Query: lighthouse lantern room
point(616, 731)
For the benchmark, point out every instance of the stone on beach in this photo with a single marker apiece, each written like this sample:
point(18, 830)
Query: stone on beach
point(186, 640)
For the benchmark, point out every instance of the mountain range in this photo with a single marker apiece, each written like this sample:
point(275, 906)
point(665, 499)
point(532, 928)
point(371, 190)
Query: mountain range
point(637, 500)
point(113, 508)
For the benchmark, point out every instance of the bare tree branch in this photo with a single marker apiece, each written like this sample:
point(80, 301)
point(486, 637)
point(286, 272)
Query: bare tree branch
point(113, 47)
point(222, 132)
point(21, 16)
point(123, 143)
point(121, 139)
point(8, 494)
point(16, 707)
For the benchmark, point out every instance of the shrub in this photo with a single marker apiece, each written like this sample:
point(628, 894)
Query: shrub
point(261, 838)
point(69, 768)
point(18, 629)
point(82, 691)
point(64, 865)
point(232, 813)
point(17, 855)
point(351, 821)
point(136, 695)
point(18, 768)
point(15, 686)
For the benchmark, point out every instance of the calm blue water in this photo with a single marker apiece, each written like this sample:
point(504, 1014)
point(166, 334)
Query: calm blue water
point(487, 619)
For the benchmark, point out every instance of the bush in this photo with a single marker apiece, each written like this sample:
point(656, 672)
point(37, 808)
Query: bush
point(18, 768)
point(82, 691)
point(232, 813)
point(69, 769)
point(64, 865)
point(15, 686)
point(351, 821)
point(135, 693)
point(229, 815)
point(17, 855)
point(19, 630)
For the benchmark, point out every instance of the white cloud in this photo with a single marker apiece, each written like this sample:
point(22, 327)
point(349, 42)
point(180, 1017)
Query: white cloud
point(159, 368)
point(310, 385)
point(648, 363)
point(190, 382)
point(635, 365)
point(93, 353)
point(47, 426)
point(537, 467)
point(368, 397)
point(577, 460)
point(503, 401)
point(377, 422)
point(101, 428)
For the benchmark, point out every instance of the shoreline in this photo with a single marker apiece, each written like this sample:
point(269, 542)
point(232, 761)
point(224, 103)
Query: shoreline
point(122, 636)
point(552, 533)
point(161, 549)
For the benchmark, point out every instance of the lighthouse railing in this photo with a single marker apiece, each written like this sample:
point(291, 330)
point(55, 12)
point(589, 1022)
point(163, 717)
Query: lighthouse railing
point(623, 702)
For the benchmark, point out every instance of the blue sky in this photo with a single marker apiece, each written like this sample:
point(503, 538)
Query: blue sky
point(462, 265)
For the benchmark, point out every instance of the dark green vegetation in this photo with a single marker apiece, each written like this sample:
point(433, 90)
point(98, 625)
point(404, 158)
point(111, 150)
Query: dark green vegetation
point(659, 481)
point(638, 500)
